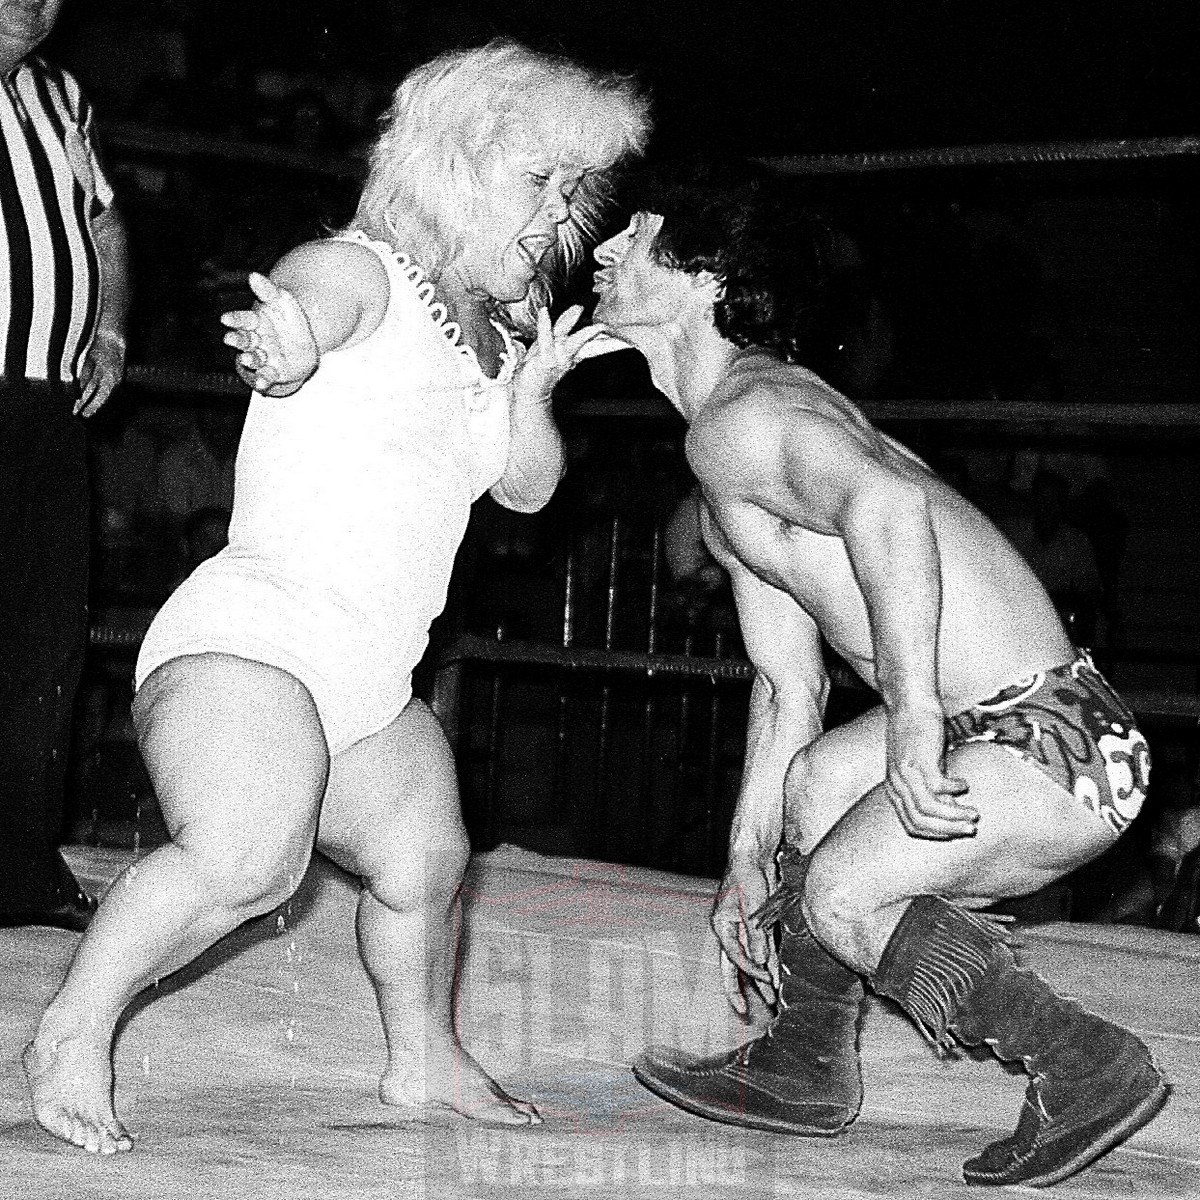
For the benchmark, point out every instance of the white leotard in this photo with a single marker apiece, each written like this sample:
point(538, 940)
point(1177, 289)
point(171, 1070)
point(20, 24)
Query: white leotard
point(351, 498)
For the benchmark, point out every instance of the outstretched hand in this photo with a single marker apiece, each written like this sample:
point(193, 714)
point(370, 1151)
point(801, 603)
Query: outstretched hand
point(556, 349)
point(926, 799)
point(277, 350)
point(748, 954)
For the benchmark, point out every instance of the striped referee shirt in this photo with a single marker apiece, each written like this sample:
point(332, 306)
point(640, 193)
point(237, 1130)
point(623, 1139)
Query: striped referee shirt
point(51, 187)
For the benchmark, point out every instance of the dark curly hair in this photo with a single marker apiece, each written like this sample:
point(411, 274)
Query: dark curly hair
point(781, 264)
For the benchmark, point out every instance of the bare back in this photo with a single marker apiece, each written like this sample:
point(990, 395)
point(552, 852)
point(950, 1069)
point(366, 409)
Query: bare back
point(768, 424)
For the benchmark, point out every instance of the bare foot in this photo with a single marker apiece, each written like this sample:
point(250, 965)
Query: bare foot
point(451, 1079)
point(71, 1083)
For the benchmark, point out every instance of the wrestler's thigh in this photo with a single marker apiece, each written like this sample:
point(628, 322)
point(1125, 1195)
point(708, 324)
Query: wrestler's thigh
point(1030, 833)
point(391, 813)
point(832, 774)
point(235, 752)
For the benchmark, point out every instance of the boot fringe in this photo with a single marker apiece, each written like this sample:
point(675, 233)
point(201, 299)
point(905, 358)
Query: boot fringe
point(932, 976)
point(785, 899)
point(778, 905)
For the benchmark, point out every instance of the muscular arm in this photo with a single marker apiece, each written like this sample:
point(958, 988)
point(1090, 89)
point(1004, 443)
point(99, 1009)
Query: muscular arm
point(815, 468)
point(885, 523)
point(882, 514)
point(787, 706)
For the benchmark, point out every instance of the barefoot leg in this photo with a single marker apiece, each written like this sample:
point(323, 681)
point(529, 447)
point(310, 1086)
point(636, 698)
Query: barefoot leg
point(391, 816)
point(223, 740)
point(411, 958)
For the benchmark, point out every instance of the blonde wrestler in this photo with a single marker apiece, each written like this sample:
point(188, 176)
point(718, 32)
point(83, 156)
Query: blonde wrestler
point(394, 386)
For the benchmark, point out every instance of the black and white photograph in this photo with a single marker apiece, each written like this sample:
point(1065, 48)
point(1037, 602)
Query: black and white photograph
point(601, 600)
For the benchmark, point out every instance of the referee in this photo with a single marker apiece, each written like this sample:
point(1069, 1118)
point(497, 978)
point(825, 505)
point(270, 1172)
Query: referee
point(63, 302)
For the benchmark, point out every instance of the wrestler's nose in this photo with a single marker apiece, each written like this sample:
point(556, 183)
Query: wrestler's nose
point(558, 207)
point(605, 253)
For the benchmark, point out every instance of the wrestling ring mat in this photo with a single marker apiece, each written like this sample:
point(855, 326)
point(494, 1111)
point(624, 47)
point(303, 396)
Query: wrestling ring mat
point(255, 1072)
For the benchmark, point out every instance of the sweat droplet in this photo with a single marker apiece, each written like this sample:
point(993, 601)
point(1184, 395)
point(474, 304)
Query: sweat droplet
point(280, 924)
point(146, 1065)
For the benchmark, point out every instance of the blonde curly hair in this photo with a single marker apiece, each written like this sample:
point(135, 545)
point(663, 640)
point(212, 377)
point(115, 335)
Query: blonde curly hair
point(450, 120)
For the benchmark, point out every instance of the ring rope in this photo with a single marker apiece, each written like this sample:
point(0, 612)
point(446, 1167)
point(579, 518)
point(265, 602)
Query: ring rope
point(186, 143)
point(178, 143)
point(169, 377)
point(172, 379)
point(1161, 414)
point(473, 648)
point(989, 154)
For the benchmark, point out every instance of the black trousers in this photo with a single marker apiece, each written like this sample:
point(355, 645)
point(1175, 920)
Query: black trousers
point(44, 547)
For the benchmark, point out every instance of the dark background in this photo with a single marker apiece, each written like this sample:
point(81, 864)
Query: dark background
point(774, 78)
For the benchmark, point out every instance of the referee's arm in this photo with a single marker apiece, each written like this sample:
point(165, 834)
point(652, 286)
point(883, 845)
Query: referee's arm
point(104, 363)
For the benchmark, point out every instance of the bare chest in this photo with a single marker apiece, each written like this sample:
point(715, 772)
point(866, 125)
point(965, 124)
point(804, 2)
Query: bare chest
point(813, 568)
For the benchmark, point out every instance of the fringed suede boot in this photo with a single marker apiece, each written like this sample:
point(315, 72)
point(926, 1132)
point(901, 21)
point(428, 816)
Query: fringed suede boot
point(1093, 1083)
point(802, 1076)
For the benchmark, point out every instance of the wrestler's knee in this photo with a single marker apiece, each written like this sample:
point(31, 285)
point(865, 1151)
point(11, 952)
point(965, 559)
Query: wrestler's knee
point(252, 879)
point(802, 787)
point(839, 906)
point(420, 873)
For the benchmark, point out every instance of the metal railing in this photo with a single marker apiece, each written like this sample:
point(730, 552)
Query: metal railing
point(654, 737)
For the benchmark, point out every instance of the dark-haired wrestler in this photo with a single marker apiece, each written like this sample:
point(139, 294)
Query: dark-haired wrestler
point(997, 760)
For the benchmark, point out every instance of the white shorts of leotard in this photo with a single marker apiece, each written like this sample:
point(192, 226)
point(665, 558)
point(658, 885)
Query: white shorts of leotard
point(359, 676)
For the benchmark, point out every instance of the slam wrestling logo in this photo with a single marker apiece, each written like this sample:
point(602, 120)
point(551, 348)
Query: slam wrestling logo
point(570, 970)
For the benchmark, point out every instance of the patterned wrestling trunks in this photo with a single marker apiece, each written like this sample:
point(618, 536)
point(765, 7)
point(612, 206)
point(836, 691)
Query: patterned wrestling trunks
point(1071, 725)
